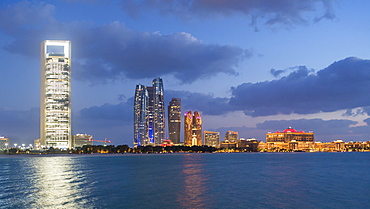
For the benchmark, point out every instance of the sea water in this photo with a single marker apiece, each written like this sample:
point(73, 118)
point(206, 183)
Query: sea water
point(222, 180)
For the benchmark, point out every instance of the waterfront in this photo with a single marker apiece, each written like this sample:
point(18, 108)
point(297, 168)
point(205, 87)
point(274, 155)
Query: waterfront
point(233, 180)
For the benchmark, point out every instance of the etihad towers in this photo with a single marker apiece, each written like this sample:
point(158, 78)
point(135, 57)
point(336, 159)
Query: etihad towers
point(192, 129)
point(55, 94)
point(149, 114)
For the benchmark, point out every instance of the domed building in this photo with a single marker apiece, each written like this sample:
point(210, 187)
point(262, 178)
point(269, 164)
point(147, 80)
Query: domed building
point(289, 135)
point(291, 139)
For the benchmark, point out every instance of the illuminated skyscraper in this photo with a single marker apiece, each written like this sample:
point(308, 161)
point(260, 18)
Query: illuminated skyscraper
point(192, 129)
point(212, 138)
point(174, 120)
point(231, 136)
point(157, 121)
point(55, 104)
point(140, 116)
point(188, 127)
point(149, 119)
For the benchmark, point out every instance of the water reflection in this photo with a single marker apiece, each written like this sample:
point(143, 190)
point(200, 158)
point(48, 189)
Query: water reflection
point(58, 182)
point(193, 195)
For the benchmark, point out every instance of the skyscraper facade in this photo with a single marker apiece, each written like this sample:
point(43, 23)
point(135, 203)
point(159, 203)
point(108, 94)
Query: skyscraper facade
point(174, 120)
point(149, 114)
point(192, 129)
point(231, 136)
point(140, 116)
point(188, 127)
point(212, 138)
point(55, 98)
point(158, 112)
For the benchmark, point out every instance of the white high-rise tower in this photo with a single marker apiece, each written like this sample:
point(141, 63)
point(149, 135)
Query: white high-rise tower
point(55, 104)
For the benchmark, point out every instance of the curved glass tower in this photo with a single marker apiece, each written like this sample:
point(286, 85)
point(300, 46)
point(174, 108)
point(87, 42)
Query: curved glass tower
point(149, 121)
point(140, 116)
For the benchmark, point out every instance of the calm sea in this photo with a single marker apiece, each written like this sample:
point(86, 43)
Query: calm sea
point(233, 180)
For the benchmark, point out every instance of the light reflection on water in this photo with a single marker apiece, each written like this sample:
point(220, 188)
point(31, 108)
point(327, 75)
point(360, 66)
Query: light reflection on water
point(58, 183)
point(44, 182)
point(195, 188)
point(255, 180)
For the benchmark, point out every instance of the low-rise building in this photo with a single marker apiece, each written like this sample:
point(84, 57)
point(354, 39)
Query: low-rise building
point(4, 142)
point(79, 140)
point(211, 138)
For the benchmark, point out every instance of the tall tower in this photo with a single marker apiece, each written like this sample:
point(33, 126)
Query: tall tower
point(197, 127)
point(174, 120)
point(159, 123)
point(141, 137)
point(149, 121)
point(192, 129)
point(55, 97)
point(188, 127)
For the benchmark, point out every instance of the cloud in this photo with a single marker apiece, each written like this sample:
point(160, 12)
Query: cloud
point(206, 103)
point(147, 55)
point(21, 126)
point(103, 53)
point(319, 126)
point(276, 73)
point(112, 121)
point(342, 85)
point(286, 12)
point(324, 130)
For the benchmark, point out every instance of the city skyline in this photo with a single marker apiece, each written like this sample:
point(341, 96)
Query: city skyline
point(250, 68)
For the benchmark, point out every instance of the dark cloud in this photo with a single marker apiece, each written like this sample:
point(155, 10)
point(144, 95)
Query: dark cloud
point(324, 130)
point(286, 12)
point(122, 113)
point(276, 73)
point(108, 52)
point(21, 126)
point(147, 55)
point(318, 126)
point(206, 103)
point(342, 85)
point(112, 121)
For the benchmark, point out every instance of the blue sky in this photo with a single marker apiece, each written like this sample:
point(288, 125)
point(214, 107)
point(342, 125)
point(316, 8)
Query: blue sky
point(249, 66)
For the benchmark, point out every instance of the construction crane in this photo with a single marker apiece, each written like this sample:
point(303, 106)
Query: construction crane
point(105, 141)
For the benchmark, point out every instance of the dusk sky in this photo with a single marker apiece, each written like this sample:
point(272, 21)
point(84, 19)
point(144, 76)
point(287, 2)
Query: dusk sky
point(252, 66)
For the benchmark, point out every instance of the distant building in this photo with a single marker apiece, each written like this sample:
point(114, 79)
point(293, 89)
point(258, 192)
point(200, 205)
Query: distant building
point(4, 142)
point(231, 136)
point(211, 138)
point(37, 144)
point(79, 140)
point(250, 145)
point(149, 114)
point(289, 135)
point(192, 129)
point(290, 139)
point(227, 145)
point(174, 120)
point(55, 107)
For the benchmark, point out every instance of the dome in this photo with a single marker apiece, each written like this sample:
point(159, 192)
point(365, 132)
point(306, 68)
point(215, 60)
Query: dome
point(289, 129)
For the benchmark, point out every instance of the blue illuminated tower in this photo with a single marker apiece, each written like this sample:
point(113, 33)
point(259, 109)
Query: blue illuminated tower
point(149, 120)
point(140, 116)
